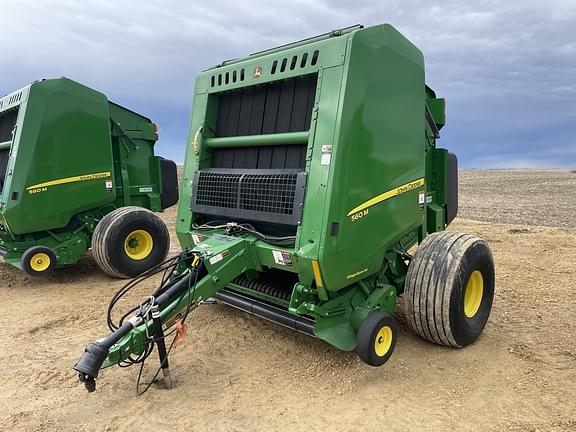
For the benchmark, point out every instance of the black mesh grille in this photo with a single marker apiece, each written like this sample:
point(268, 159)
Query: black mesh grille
point(268, 193)
point(261, 195)
point(217, 189)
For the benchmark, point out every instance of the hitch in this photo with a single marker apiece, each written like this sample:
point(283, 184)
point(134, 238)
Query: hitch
point(206, 272)
point(96, 352)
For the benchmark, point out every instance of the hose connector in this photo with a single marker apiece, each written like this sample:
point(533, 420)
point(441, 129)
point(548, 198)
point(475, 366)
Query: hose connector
point(90, 363)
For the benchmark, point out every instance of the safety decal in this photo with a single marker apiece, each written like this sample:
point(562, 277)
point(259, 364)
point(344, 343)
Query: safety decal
point(421, 200)
point(282, 258)
point(326, 155)
point(219, 257)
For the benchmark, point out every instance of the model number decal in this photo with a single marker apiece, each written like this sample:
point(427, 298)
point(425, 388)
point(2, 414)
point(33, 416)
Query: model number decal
point(387, 195)
point(43, 187)
point(359, 215)
point(37, 190)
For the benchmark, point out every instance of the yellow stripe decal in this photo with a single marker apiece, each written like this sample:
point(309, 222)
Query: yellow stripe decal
point(387, 195)
point(75, 179)
point(317, 275)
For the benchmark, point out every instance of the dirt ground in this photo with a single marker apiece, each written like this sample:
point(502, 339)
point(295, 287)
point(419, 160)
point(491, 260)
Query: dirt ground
point(239, 373)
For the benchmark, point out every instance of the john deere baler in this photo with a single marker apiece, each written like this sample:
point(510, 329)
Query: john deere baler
point(311, 172)
point(78, 171)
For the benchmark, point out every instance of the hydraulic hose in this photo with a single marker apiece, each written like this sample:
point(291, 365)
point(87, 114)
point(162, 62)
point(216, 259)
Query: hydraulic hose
point(96, 352)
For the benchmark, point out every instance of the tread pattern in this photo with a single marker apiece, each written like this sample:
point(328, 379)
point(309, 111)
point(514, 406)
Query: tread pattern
point(429, 283)
point(101, 237)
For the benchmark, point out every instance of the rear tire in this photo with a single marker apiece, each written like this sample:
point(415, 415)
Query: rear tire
point(129, 241)
point(449, 288)
point(38, 261)
point(376, 338)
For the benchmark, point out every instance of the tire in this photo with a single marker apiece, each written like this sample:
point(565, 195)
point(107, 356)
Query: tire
point(129, 241)
point(376, 338)
point(449, 288)
point(38, 261)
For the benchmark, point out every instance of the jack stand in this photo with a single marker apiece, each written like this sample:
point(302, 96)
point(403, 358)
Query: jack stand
point(161, 344)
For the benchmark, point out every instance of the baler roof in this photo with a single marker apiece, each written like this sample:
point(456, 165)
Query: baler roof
point(306, 41)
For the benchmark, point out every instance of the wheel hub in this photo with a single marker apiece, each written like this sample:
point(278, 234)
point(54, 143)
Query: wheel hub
point(383, 341)
point(40, 262)
point(138, 245)
point(473, 294)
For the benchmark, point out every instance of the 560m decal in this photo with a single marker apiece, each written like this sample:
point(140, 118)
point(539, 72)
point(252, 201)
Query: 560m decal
point(384, 196)
point(43, 187)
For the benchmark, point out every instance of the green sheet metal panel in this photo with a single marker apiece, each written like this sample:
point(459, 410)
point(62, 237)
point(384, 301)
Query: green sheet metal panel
point(64, 157)
point(378, 147)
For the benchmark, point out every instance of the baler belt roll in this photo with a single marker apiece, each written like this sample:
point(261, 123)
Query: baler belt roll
point(264, 287)
point(259, 140)
point(263, 310)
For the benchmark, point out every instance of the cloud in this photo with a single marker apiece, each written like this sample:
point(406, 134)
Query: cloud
point(507, 69)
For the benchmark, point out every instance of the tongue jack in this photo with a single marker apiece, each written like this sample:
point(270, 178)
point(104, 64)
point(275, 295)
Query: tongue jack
point(161, 344)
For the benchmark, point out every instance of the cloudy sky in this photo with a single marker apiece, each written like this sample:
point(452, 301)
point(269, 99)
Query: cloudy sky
point(507, 69)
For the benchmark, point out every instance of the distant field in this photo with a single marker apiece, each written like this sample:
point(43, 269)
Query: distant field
point(531, 197)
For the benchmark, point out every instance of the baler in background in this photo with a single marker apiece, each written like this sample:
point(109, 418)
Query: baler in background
point(77, 172)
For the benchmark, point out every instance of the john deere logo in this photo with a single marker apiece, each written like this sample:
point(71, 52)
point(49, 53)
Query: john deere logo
point(257, 72)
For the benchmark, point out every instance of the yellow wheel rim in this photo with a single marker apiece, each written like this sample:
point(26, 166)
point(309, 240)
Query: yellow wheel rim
point(40, 262)
point(383, 341)
point(473, 294)
point(138, 245)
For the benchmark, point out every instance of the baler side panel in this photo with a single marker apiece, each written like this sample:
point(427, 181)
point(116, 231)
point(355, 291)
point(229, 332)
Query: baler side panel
point(442, 190)
point(8, 120)
point(380, 148)
point(323, 133)
point(64, 157)
point(14, 102)
point(193, 162)
point(138, 176)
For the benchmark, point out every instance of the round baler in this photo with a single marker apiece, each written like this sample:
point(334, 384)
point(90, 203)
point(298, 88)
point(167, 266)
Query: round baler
point(311, 176)
point(77, 172)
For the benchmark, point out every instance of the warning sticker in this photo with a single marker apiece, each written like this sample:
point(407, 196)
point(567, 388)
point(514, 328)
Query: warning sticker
point(223, 238)
point(146, 189)
point(421, 200)
point(282, 258)
point(108, 185)
point(326, 155)
point(217, 258)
